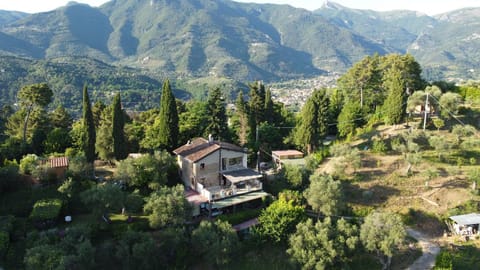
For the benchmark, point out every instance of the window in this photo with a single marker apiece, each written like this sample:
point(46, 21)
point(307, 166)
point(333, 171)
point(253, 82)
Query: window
point(202, 166)
point(224, 163)
point(235, 161)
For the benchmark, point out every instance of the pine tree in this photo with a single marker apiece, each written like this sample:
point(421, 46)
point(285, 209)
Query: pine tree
point(217, 125)
point(118, 134)
point(168, 119)
point(60, 118)
point(89, 128)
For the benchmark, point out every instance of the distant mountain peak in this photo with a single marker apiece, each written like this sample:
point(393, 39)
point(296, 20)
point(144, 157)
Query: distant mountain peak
point(331, 5)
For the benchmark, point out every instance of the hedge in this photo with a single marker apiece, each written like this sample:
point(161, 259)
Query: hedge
point(46, 209)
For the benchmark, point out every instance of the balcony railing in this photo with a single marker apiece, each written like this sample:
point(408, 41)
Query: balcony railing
point(222, 192)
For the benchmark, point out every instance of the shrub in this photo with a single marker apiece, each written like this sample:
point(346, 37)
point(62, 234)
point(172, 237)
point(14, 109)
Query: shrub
point(470, 206)
point(28, 164)
point(239, 217)
point(379, 146)
point(473, 161)
point(9, 177)
point(134, 202)
point(443, 261)
point(46, 209)
point(362, 211)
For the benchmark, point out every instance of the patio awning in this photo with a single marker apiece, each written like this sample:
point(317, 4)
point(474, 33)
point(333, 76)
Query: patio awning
point(468, 219)
point(239, 199)
point(241, 175)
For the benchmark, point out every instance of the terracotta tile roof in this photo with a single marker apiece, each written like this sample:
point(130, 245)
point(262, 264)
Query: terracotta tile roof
point(58, 162)
point(200, 148)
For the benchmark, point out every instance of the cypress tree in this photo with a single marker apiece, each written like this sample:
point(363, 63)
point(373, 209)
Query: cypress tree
point(395, 105)
point(256, 107)
point(168, 119)
point(104, 140)
point(89, 128)
point(242, 114)
point(269, 110)
point(118, 134)
point(314, 121)
point(217, 125)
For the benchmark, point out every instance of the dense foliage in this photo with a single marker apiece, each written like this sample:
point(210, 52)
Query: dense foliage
point(46, 209)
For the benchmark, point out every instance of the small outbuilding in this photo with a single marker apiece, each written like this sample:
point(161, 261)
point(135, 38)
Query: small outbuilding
point(465, 224)
point(59, 166)
point(290, 157)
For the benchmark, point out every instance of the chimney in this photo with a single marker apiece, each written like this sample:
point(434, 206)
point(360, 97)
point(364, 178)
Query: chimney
point(210, 138)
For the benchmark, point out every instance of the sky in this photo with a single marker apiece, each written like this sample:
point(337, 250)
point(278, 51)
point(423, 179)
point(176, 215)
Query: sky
point(430, 7)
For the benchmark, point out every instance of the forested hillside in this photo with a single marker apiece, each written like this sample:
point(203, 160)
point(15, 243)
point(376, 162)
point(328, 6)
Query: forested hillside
point(244, 42)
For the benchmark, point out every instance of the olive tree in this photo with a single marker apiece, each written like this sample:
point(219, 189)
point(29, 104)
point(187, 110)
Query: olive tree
point(167, 207)
point(215, 241)
point(322, 245)
point(324, 195)
point(382, 233)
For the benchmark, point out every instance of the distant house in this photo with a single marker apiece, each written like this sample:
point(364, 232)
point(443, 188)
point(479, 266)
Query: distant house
point(217, 171)
point(465, 224)
point(58, 165)
point(292, 157)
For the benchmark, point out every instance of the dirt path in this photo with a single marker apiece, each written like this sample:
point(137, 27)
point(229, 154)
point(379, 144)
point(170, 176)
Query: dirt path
point(429, 248)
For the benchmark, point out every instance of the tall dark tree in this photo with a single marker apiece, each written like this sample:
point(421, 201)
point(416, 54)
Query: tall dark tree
point(193, 121)
point(269, 113)
point(89, 127)
point(60, 118)
point(104, 138)
point(217, 115)
point(168, 119)
point(32, 96)
point(97, 110)
point(241, 115)
point(118, 133)
point(394, 106)
point(349, 119)
point(256, 107)
point(314, 121)
point(362, 82)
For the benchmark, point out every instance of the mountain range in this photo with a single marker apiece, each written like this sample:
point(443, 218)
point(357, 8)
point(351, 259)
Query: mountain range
point(189, 39)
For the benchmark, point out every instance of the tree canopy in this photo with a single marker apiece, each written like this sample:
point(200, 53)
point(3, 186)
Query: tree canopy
point(323, 245)
point(279, 219)
point(167, 207)
point(324, 195)
point(382, 233)
point(216, 241)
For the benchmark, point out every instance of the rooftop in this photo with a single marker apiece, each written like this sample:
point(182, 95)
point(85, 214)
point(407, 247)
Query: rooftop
point(468, 219)
point(58, 162)
point(287, 154)
point(200, 148)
